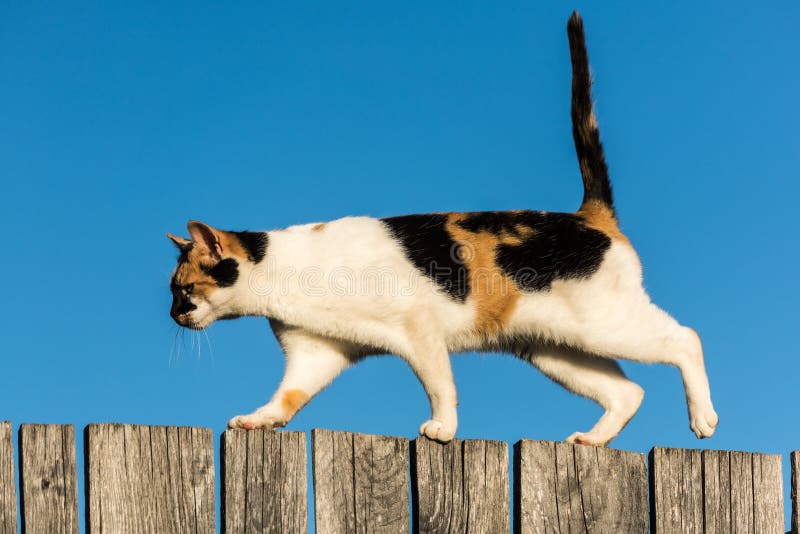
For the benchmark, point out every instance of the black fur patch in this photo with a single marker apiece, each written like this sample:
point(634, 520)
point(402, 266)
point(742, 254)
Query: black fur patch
point(560, 246)
point(180, 304)
point(254, 243)
point(432, 250)
point(594, 171)
point(225, 272)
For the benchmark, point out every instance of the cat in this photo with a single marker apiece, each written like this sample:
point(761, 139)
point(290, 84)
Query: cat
point(562, 291)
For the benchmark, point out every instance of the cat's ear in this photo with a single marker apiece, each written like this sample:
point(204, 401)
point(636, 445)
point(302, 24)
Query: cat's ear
point(180, 242)
point(206, 236)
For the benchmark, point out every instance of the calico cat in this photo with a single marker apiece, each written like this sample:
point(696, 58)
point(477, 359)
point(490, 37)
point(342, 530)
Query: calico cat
point(562, 291)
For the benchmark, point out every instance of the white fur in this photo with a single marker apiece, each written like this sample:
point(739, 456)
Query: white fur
point(347, 290)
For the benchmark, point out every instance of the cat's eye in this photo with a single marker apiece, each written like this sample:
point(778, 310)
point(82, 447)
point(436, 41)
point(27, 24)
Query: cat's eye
point(188, 289)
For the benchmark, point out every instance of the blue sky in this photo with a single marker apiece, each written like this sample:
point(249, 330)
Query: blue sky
point(121, 122)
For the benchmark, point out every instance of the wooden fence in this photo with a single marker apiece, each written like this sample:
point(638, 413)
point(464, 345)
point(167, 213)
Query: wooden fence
point(161, 479)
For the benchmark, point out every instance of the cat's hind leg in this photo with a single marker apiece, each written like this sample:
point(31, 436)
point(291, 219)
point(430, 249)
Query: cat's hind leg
point(312, 362)
point(595, 378)
point(645, 333)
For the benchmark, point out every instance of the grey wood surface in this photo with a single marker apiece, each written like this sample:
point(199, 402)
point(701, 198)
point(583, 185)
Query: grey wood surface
point(715, 492)
point(48, 479)
point(462, 486)
point(767, 493)
point(265, 482)
point(795, 463)
point(8, 494)
point(149, 479)
point(360, 483)
point(563, 488)
point(676, 491)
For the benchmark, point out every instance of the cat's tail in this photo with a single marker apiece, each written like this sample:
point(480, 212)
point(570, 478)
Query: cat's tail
point(596, 184)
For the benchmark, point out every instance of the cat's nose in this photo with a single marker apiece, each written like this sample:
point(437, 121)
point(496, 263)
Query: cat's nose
point(181, 308)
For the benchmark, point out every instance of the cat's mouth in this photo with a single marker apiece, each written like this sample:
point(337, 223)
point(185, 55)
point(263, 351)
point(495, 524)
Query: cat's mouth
point(187, 322)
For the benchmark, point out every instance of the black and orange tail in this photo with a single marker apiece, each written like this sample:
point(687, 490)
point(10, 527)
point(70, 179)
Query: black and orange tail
point(596, 184)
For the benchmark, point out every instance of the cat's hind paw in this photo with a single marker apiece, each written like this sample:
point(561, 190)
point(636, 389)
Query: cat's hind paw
point(253, 421)
point(437, 430)
point(587, 438)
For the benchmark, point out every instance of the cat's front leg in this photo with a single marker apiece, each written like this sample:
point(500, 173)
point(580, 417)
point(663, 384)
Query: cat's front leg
point(430, 361)
point(312, 362)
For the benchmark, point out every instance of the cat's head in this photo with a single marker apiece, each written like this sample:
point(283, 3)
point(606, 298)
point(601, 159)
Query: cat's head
point(208, 281)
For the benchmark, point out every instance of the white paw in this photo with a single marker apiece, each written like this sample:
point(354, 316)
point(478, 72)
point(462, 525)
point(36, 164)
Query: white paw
point(703, 421)
point(587, 438)
point(255, 420)
point(437, 430)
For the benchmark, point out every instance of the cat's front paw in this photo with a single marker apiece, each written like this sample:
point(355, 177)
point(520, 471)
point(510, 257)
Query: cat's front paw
point(255, 420)
point(437, 430)
point(703, 421)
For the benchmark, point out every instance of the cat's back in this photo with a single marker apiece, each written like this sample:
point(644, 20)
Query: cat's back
point(465, 252)
point(531, 247)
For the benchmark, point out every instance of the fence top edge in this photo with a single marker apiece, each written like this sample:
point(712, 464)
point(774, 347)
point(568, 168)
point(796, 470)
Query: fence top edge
point(660, 448)
point(41, 425)
point(315, 431)
point(272, 431)
point(657, 448)
point(134, 425)
point(523, 441)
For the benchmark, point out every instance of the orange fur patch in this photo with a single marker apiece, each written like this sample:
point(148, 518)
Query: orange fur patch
point(231, 245)
point(318, 227)
point(292, 400)
point(198, 260)
point(192, 271)
point(492, 292)
point(598, 216)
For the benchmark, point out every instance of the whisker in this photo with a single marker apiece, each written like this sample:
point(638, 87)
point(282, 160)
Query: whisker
point(197, 337)
point(172, 348)
point(181, 345)
point(210, 350)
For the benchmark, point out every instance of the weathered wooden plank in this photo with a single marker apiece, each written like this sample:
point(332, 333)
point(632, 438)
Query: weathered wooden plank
point(8, 494)
point(461, 486)
point(741, 492)
point(360, 482)
point(716, 492)
point(381, 483)
point(265, 482)
point(735, 491)
point(438, 486)
point(149, 479)
point(795, 463)
point(767, 494)
point(676, 491)
point(573, 488)
point(334, 487)
point(48, 479)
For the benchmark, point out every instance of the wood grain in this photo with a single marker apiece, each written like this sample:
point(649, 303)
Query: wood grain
point(48, 479)
point(767, 493)
point(715, 492)
point(8, 494)
point(149, 479)
point(462, 486)
point(265, 482)
point(676, 490)
point(360, 482)
point(574, 489)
